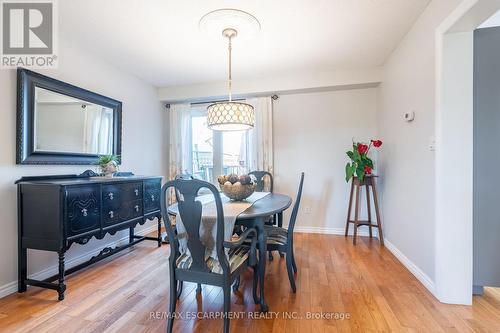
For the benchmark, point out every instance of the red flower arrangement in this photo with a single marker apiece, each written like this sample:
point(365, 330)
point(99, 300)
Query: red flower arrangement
point(360, 165)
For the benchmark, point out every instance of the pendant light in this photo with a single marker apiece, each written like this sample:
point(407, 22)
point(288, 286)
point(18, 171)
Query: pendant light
point(229, 115)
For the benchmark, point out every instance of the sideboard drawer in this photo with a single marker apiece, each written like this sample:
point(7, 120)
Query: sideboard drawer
point(112, 195)
point(82, 209)
point(152, 189)
point(127, 210)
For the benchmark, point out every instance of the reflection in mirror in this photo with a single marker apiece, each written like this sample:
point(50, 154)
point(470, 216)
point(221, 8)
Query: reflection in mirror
point(70, 125)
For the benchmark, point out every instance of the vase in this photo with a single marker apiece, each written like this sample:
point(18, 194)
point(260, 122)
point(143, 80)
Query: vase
point(109, 169)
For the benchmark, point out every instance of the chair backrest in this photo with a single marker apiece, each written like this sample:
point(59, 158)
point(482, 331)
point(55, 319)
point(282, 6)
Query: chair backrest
point(295, 209)
point(184, 176)
point(261, 177)
point(190, 211)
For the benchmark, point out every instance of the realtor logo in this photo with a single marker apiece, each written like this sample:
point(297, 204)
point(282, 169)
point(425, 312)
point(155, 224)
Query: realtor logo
point(28, 34)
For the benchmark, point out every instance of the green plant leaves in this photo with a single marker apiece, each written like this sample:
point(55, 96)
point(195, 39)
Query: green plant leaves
point(357, 165)
point(349, 171)
point(105, 159)
point(360, 172)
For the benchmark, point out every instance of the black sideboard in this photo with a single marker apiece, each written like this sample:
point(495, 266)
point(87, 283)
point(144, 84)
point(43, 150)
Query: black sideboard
point(55, 212)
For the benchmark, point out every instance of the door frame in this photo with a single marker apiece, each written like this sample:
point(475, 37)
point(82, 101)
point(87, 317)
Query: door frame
point(454, 148)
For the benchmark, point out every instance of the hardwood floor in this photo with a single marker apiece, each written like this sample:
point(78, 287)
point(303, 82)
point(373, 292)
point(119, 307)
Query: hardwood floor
point(365, 282)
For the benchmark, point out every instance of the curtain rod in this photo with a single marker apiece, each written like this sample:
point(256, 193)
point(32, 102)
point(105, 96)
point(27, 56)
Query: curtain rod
point(274, 97)
point(218, 101)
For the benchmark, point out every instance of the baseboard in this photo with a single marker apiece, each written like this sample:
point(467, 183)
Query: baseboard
point(414, 269)
point(11, 287)
point(362, 231)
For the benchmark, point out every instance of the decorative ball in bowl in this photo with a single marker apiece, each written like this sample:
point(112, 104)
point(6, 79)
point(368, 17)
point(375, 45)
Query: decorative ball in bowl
point(236, 187)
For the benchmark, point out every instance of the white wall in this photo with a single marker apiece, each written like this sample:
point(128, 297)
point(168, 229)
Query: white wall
point(312, 132)
point(142, 144)
point(407, 163)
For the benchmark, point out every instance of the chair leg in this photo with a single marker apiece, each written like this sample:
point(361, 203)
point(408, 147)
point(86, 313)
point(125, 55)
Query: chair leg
point(179, 290)
point(172, 303)
point(227, 307)
point(236, 283)
point(289, 269)
point(254, 284)
point(294, 265)
point(198, 288)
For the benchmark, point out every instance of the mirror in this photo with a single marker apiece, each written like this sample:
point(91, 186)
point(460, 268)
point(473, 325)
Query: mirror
point(62, 124)
point(67, 125)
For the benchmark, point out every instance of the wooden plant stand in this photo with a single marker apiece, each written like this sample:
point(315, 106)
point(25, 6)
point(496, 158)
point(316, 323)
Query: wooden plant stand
point(368, 181)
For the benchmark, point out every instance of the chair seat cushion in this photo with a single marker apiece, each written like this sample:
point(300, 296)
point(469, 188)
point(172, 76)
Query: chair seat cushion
point(236, 258)
point(269, 220)
point(276, 235)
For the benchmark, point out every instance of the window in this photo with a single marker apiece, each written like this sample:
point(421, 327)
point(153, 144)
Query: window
point(234, 152)
point(215, 153)
point(202, 150)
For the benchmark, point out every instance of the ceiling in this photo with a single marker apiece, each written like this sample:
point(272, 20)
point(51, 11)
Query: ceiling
point(493, 21)
point(159, 40)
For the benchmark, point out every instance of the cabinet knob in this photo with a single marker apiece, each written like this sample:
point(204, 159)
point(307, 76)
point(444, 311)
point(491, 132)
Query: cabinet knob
point(152, 197)
point(136, 207)
point(136, 192)
point(111, 214)
point(84, 212)
point(110, 195)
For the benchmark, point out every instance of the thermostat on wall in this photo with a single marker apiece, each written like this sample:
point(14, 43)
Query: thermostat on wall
point(409, 116)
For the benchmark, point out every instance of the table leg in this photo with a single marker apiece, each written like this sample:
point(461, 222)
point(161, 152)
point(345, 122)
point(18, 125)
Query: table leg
point(262, 239)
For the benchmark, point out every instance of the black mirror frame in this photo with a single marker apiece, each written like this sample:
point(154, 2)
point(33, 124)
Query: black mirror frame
point(25, 153)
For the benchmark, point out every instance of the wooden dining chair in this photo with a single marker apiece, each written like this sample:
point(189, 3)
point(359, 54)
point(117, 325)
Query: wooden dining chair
point(198, 267)
point(260, 177)
point(280, 239)
point(184, 176)
point(265, 183)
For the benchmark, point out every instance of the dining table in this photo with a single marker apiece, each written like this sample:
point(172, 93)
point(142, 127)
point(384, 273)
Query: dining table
point(255, 216)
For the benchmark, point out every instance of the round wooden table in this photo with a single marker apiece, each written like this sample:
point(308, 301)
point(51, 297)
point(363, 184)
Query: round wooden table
point(254, 217)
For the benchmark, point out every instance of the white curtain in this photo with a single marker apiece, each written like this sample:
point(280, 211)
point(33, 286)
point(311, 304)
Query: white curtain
point(260, 152)
point(93, 117)
point(105, 140)
point(179, 121)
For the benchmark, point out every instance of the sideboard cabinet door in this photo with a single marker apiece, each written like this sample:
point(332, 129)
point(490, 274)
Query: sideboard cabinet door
point(152, 190)
point(82, 210)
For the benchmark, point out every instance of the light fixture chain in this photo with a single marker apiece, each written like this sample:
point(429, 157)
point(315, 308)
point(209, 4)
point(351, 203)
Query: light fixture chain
point(230, 75)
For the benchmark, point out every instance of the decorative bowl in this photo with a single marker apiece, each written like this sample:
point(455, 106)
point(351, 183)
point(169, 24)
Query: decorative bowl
point(236, 188)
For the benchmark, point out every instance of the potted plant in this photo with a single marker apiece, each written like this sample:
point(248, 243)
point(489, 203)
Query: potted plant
point(361, 165)
point(109, 164)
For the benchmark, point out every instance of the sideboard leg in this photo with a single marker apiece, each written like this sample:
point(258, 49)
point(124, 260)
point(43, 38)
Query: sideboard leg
point(159, 231)
point(61, 285)
point(22, 269)
point(131, 234)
